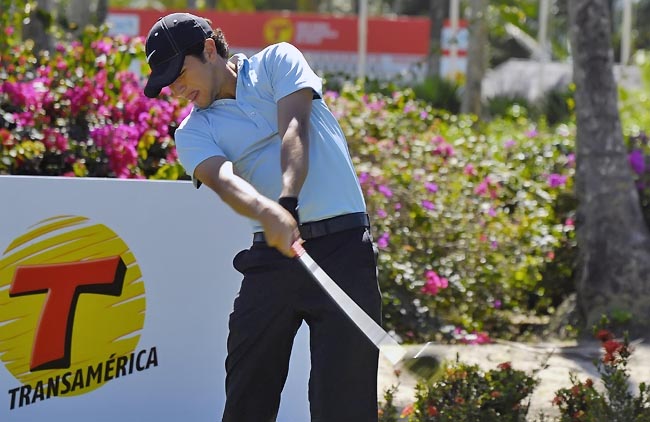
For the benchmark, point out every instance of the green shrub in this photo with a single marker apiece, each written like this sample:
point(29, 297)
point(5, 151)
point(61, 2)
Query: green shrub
point(465, 393)
point(582, 402)
point(555, 106)
point(509, 106)
point(465, 212)
point(440, 93)
point(388, 412)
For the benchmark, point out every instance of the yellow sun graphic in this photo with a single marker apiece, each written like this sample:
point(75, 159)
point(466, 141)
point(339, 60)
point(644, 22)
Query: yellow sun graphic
point(72, 299)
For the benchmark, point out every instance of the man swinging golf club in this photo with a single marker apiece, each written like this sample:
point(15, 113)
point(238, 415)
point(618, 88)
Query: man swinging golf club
point(262, 138)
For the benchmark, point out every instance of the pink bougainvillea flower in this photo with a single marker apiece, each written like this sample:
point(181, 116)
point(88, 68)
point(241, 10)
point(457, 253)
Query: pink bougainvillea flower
point(103, 46)
point(333, 95)
point(431, 187)
point(556, 180)
point(382, 242)
point(409, 108)
point(434, 283)
point(480, 337)
point(482, 187)
point(428, 205)
point(444, 149)
point(376, 105)
point(571, 159)
point(469, 170)
point(363, 177)
point(637, 161)
point(385, 190)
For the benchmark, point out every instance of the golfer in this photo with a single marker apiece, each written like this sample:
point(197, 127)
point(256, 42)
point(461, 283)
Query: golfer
point(262, 138)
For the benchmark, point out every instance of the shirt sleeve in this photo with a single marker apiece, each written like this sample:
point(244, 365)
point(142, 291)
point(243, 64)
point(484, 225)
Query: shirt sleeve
point(194, 145)
point(289, 71)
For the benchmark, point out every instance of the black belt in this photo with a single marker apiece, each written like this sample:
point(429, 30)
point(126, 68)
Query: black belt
point(320, 228)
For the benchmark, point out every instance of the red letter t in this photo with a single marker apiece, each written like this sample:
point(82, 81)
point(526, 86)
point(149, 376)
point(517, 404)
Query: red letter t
point(63, 283)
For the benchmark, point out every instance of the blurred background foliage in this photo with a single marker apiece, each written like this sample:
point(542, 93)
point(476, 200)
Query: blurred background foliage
point(474, 217)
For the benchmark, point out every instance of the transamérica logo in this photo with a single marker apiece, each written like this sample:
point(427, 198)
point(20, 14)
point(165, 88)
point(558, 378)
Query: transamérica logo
point(72, 305)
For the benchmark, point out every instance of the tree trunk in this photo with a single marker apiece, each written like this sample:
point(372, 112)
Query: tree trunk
point(38, 26)
point(78, 14)
point(398, 7)
point(437, 13)
point(211, 4)
point(102, 12)
point(613, 239)
point(476, 57)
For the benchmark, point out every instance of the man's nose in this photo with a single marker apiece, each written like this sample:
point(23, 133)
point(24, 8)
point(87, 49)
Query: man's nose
point(177, 88)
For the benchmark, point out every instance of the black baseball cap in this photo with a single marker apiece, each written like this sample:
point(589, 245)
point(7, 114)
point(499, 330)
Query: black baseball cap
point(167, 42)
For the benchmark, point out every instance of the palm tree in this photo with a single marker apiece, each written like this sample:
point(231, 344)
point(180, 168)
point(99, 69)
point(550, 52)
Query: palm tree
point(477, 58)
point(437, 12)
point(613, 239)
point(37, 27)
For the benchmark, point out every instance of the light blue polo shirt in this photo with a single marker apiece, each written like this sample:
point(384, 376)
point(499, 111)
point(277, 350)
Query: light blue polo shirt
point(244, 130)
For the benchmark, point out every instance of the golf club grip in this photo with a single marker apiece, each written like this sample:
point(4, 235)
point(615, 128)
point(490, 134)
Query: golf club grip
point(375, 333)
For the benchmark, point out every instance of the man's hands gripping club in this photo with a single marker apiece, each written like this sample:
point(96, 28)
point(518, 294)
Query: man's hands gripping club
point(279, 220)
point(280, 227)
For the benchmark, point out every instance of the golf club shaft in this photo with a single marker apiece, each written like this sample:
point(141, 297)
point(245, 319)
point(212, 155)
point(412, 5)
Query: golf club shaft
point(375, 333)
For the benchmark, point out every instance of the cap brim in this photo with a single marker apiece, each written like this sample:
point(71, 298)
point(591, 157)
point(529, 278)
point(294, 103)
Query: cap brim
point(163, 75)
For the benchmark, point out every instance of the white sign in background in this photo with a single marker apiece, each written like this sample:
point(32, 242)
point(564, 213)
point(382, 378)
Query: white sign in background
point(184, 241)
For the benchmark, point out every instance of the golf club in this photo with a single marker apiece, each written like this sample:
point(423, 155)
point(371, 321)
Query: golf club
point(387, 345)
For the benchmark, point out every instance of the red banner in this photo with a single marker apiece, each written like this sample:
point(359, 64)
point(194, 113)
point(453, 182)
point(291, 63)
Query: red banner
point(316, 32)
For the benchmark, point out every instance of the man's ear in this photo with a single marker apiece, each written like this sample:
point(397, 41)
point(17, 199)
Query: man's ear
point(210, 49)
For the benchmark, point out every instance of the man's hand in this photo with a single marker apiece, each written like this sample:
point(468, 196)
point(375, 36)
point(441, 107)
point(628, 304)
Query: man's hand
point(280, 227)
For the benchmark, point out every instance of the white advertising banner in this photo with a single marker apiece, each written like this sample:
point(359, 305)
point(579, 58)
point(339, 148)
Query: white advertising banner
point(114, 302)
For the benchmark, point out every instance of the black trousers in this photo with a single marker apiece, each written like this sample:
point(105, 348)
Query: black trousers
point(276, 295)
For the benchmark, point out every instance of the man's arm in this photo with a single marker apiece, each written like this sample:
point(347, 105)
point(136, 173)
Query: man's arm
point(294, 111)
point(279, 226)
